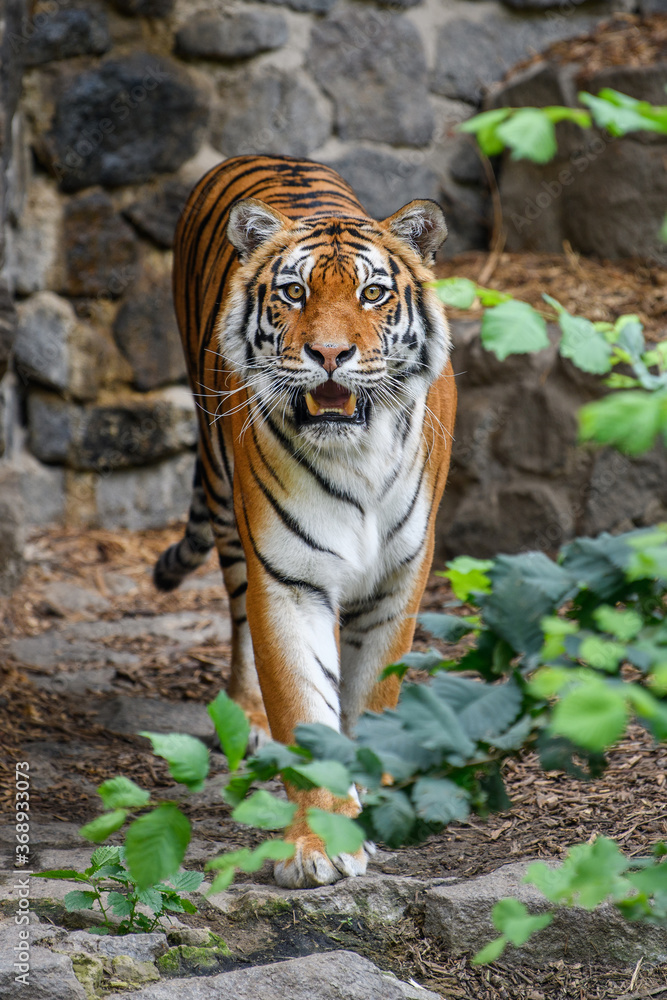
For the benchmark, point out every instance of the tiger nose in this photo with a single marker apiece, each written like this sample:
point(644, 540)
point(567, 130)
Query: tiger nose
point(330, 356)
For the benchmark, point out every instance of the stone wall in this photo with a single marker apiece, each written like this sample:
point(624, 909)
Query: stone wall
point(124, 105)
point(518, 478)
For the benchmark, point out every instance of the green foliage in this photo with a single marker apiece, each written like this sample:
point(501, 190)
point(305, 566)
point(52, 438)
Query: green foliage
point(155, 844)
point(516, 924)
point(232, 727)
point(114, 891)
point(528, 133)
point(186, 756)
point(513, 327)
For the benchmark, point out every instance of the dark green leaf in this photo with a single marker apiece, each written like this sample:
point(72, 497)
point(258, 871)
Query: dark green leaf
point(79, 900)
point(325, 743)
point(120, 904)
point(526, 587)
point(232, 726)
point(438, 800)
point(105, 855)
point(187, 881)
point(155, 845)
point(583, 344)
point(493, 785)
point(422, 712)
point(449, 628)
point(598, 563)
point(484, 710)
point(151, 898)
point(394, 818)
point(69, 874)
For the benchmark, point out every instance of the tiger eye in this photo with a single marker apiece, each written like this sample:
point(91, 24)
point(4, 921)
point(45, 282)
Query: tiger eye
point(294, 291)
point(372, 293)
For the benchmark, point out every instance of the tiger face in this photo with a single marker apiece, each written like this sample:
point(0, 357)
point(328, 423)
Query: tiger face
point(328, 322)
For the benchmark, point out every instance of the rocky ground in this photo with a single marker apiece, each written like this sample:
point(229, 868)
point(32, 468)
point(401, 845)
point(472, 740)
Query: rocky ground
point(92, 655)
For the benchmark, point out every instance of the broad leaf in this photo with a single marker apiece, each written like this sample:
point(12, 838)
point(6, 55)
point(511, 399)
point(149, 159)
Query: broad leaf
point(513, 328)
point(630, 420)
point(104, 825)
point(393, 819)
point(151, 898)
point(104, 855)
point(491, 951)
point(232, 726)
point(155, 845)
point(448, 628)
point(121, 793)
point(525, 588)
point(484, 710)
point(530, 134)
point(460, 293)
point(79, 900)
point(438, 800)
point(591, 714)
point(186, 756)
point(468, 576)
point(423, 712)
point(325, 743)
point(329, 774)
point(265, 811)
point(69, 874)
point(120, 904)
point(187, 881)
point(584, 345)
point(512, 918)
point(341, 835)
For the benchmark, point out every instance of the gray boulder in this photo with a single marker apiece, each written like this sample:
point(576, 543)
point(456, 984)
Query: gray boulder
point(231, 34)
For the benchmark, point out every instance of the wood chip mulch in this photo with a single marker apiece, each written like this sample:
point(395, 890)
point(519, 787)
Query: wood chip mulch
point(598, 290)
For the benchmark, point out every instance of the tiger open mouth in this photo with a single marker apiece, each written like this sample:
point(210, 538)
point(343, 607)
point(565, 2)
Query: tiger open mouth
point(331, 401)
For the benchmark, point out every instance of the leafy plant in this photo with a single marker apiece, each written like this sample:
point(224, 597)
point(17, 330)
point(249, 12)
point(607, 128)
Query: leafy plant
point(590, 874)
point(108, 876)
point(530, 133)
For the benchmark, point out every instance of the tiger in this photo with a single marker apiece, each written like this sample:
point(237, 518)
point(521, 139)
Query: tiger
point(320, 358)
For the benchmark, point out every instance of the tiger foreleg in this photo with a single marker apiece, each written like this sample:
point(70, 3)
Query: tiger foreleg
point(296, 654)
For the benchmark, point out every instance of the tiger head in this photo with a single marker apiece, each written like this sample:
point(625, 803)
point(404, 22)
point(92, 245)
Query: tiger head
point(328, 321)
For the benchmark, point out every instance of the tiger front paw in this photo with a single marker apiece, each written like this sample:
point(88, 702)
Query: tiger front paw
point(311, 866)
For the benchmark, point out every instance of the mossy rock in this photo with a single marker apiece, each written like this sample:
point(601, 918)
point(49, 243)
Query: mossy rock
point(133, 972)
point(89, 971)
point(191, 960)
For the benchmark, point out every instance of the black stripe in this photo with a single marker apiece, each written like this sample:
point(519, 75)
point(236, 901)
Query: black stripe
point(287, 581)
point(330, 676)
point(399, 524)
point(289, 521)
point(241, 589)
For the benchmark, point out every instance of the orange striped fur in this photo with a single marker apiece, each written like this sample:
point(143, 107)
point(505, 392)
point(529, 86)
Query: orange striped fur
point(320, 362)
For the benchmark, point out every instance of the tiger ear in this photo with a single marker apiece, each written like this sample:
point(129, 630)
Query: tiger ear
point(421, 224)
point(251, 223)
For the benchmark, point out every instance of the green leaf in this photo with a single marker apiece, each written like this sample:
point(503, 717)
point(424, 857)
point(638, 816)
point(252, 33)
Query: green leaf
point(483, 710)
point(630, 420)
point(122, 793)
point(530, 134)
point(491, 951)
point(598, 563)
point(120, 904)
point(104, 825)
point(329, 774)
point(601, 653)
point(325, 743)
point(513, 328)
point(515, 737)
point(525, 588)
point(438, 800)
point(187, 881)
point(583, 344)
point(151, 898)
point(460, 293)
point(265, 811)
point(484, 120)
point(186, 756)
point(232, 726)
point(423, 712)
point(624, 624)
point(589, 874)
point(79, 900)
point(468, 576)
point(591, 714)
point(512, 918)
point(448, 628)
point(617, 119)
point(105, 855)
point(341, 835)
point(236, 789)
point(155, 844)
point(393, 818)
point(246, 860)
point(67, 874)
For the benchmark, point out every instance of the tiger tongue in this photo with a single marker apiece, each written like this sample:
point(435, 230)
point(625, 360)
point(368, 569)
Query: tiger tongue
point(330, 396)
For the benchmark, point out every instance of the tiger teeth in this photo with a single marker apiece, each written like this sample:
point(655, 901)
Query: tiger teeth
point(316, 410)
